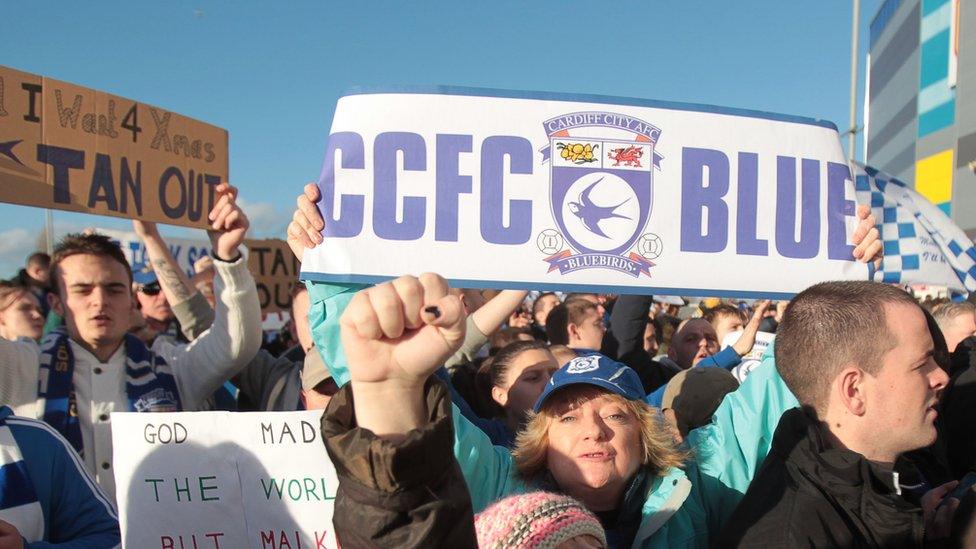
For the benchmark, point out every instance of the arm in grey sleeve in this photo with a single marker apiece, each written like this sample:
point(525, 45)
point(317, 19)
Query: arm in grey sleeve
point(195, 315)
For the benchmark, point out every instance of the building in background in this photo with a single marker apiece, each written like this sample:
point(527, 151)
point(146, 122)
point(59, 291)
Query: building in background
point(920, 101)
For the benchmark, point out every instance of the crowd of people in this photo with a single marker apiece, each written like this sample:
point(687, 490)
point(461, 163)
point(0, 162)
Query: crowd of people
point(466, 417)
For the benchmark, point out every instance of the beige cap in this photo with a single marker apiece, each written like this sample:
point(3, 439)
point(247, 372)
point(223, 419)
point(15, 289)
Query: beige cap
point(695, 394)
point(314, 370)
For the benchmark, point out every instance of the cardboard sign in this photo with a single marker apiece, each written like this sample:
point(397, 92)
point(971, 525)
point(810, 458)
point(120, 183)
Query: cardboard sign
point(71, 148)
point(275, 271)
point(220, 479)
point(497, 189)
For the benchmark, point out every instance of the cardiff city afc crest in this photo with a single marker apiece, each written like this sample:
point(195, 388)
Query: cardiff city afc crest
point(601, 191)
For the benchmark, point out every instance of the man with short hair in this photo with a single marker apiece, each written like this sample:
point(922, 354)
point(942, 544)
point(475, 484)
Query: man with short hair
point(93, 367)
point(858, 356)
point(584, 325)
point(694, 341)
point(956, 320)
point(599, 300)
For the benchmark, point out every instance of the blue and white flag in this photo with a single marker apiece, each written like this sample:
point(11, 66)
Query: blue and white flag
point(921, 244)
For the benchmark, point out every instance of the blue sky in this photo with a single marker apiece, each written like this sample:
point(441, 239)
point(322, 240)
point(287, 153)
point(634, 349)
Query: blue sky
point(270, 73)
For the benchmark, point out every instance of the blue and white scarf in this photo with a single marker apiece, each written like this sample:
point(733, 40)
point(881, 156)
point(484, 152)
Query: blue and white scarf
point(18, 500)
point(149, 384)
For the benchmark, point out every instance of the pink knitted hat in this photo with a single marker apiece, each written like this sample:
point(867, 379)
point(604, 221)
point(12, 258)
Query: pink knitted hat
point(538, 520)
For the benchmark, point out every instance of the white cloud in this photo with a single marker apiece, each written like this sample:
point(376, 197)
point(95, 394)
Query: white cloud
point(15, 246)
point(267, 219)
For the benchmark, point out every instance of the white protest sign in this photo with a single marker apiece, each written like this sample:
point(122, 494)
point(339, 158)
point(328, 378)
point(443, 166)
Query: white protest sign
point(552, 191)
point(220, 479)
point(186, 251)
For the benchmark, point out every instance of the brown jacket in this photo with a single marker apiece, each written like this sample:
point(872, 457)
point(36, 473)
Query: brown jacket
point(408, 494)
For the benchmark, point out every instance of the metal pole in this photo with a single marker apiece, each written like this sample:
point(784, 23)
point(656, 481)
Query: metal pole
point(852, 138)
point(49, 229)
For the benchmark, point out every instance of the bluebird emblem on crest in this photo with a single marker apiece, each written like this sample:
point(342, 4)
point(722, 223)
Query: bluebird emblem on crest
point(591, 214)
point(601, 203)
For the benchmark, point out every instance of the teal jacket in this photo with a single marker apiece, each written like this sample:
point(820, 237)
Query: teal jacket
point(683, 507)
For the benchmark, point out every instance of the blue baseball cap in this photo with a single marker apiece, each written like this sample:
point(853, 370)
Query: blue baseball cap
point(143, 275)
point(597, 370)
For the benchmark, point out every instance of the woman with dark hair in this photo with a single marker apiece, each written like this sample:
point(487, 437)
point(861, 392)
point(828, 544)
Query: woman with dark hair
point(519, 372)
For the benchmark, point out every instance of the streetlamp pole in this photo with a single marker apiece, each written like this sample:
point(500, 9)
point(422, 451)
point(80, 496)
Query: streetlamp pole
point(852, 137)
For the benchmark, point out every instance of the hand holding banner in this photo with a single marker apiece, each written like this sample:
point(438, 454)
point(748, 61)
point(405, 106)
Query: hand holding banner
point(497, 189)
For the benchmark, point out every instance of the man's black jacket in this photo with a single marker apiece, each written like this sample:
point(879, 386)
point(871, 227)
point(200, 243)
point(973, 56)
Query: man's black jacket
point(808, 495)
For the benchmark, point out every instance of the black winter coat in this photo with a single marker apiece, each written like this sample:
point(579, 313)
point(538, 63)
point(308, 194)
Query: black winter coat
point(808, 495)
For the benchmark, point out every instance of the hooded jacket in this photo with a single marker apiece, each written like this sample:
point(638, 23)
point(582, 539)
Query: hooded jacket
point(809, 495)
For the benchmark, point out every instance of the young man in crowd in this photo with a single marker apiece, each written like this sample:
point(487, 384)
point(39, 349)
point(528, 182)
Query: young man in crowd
point(93, 366)
point(957, 322)
point(725, 318)
point(858, 356)
point(584, 324)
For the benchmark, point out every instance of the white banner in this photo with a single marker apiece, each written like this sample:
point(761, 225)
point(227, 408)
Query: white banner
point(922, 245)
point(220, 479)
point(186, 251)
point(496, 189)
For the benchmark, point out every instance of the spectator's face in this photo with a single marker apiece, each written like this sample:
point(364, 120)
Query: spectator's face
point(958, 329)
point(725, 324)
point(899, 402)
point(693, 342)
point(594, 445)
point(525, 380)
point(153, 304)
point(546, 304)
point(94, 298)
point(588, 334)
point(299, 314)
point(22, 318)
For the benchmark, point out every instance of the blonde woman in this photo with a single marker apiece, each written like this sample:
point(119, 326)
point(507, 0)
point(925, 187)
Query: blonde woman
point(20, 313)
point(590, 435)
